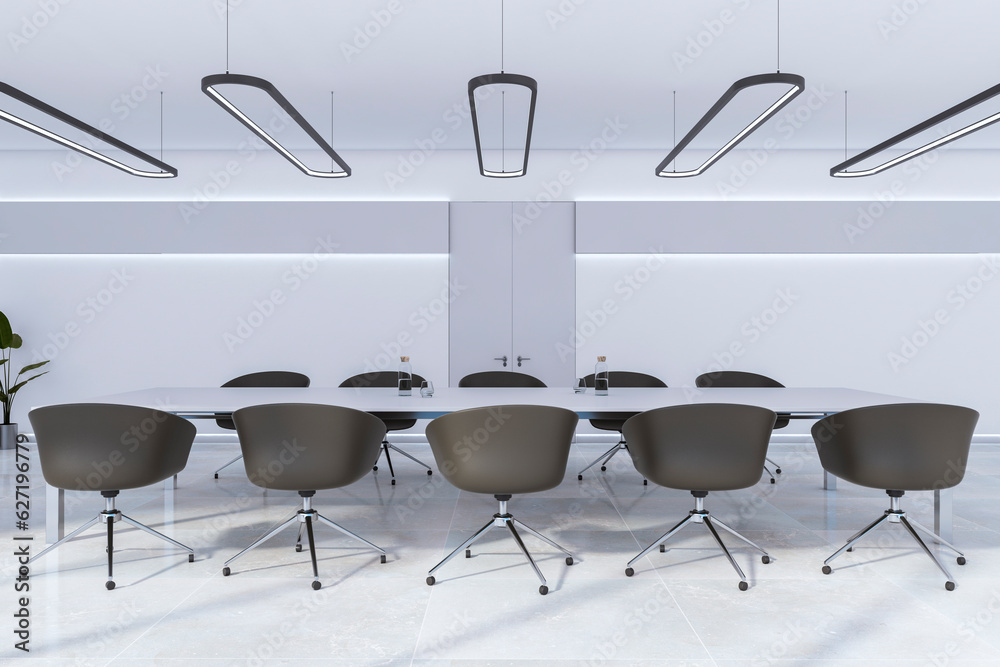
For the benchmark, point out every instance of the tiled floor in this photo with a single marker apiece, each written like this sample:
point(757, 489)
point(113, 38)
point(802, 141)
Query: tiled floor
point(884, 604)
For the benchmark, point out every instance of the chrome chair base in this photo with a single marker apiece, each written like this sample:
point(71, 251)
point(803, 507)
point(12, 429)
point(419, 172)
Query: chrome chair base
point(386, 446)
point(227, 465)
point(895, 515)
point(307, 515)
point(777, 469)
point(700, 515)
point(500, 520)
point(111, 516)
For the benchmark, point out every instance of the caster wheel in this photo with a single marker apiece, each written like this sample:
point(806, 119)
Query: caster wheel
point(948, 586)
point(827, 569)
point(765, 559)
point(604, 468)
point(629, 572)
point(772, 480)
point(569, 560)
point(777, 471)
point(850, 549)
point(430, 472)
point(110, 585)
point(394, 482)
point(226, 572)
point(382, 558)
point(961, 560)
point(190, 558)
point(468, 553)
point(744, 585)
point(316, 585)
point(216, 475)
point(298, 547)
point(544, 590)
point(375, 468)
point(430, 581)
point(579, 478)
point(645, 482)
point(663, 548)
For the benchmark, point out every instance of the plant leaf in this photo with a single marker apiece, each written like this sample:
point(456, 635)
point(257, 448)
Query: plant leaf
point(15, 341)
point(21, 384)
point(31, 367)
point(5, 332)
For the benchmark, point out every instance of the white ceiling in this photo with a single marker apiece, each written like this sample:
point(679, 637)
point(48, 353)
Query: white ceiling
point(608, 59)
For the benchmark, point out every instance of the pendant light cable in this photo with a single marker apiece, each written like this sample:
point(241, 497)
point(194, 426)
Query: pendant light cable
point(777, 46)
point(845, 125)
point(227, 36)
point(161, 127)
point(675, 127)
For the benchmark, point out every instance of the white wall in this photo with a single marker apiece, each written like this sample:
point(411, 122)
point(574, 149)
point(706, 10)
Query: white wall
point(844, 318)
point(113, 323)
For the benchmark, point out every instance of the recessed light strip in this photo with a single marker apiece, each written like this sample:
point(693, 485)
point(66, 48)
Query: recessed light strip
point(166, 170)
point(498, 79)
point(798, 84)
point(840, 171)
point(208, 87)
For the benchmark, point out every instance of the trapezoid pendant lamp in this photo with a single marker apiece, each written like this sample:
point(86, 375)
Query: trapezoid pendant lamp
point(841, 170)
point(797, 84)
point(166, 171)
point(487, 85)
point(209, 86)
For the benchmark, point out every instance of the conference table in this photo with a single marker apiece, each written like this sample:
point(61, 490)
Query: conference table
point(209, 402)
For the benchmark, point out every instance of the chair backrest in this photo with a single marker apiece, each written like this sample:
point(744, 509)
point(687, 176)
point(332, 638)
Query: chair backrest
point(263, 379)
point(741, 379)
point(701, 447)
point(504, 448)
point(380, 379)
point(627, 379)
point(107, 447)
point(305, 447)
point(902, 447)
point(500, 379)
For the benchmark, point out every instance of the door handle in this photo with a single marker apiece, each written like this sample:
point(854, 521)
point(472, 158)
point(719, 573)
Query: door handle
point(520, 359)
point(503, 359)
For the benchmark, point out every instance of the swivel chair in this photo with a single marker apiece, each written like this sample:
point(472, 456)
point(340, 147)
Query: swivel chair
point(500, 379)
point(501, 451)
point(701, 448)
point(899, 447)
point(109, 448)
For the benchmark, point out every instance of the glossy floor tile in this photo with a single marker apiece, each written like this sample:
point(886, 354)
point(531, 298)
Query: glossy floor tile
point(884, 604)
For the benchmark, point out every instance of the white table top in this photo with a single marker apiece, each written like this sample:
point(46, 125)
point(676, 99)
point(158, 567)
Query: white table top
point(803, 402)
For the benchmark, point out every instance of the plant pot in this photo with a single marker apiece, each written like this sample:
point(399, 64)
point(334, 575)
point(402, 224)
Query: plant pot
point(8, 436)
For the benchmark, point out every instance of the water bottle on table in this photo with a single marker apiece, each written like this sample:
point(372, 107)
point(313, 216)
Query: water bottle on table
point(601, 374)
point(405, 382)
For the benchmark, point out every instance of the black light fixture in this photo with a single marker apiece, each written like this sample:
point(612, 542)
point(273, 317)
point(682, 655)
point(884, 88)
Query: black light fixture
point(166, 171)
point(841, 170)
point(502, 78)
point(208, 86)
point(797, 84)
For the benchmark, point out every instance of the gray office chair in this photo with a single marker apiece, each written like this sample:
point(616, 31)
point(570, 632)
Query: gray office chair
point(261, 379)
point(900, 447)
point(702, 448)
point(110, 448)
point(500, 379)
point(305, 448)
point(503, 450)
point(745, 379)
point(385, 379)
point(617, 379)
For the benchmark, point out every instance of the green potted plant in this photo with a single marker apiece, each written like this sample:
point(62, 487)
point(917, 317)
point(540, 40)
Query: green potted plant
point(11, 341)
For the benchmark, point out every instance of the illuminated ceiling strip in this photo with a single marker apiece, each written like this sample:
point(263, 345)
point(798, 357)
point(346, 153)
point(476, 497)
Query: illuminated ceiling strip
point(497, 79)
point(166, 170)
point(798, 84)
point(840, 171)
point(207, 86)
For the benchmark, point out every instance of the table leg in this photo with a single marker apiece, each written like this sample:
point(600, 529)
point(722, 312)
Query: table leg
point(55, 514)
point(829, 481)
point(943, 514)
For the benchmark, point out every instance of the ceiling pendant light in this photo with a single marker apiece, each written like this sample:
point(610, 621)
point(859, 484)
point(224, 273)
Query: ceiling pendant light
point(841, 170)
point(487, 85)
point(165, 170)
point(209, 86)
point(797, 84)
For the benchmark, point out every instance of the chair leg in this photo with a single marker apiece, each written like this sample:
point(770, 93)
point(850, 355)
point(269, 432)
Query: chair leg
point(260, 540)
point(110, 584)
point(602, 459)
point(777, 468)
point(411, 457)
point(854, 540)
point(544, 588)
point(531, 531)
point(141, 526)
point(663, 538)
point(312, 553)
point(388, 460)
point(938, 539)
point(769, 474)
point(732, 561)
point(950, 583)
point(227, 465)
point(65, 539)
point(336, 526)
point(469, 542)
point(742, 537)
